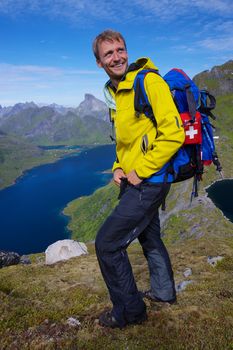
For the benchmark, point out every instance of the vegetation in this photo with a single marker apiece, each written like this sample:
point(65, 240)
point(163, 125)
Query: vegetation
point(44, 126)
point(88, 213)
point(218, 80)
point(36, 302)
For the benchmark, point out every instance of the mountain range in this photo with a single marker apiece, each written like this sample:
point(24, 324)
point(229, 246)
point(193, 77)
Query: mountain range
point(89, 122)
point(25, 126)
point(54, 124)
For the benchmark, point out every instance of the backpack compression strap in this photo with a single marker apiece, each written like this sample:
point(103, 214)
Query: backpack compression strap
point(208, 102)
point(191, 102)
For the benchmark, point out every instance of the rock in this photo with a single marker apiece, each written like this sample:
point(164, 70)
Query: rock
point(64, 250)
point(73, 322)
point(187, 272)
point(25, 260)
point(213, 260)
point(9, 258)
point(182, 285)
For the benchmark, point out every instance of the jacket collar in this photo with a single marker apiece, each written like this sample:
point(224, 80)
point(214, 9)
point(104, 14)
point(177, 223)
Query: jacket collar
point(128, 79)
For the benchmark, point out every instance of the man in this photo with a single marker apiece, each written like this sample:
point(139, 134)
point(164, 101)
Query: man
point(142, 151)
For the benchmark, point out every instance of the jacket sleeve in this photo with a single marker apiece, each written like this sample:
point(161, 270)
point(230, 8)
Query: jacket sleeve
point(169, 133)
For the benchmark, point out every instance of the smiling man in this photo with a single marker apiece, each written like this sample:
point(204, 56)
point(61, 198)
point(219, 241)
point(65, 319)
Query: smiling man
point(143, 151)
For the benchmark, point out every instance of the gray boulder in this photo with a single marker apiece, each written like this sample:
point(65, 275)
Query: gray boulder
point(9, 258)
point(187, 272)
point(182, 285)
point(25, 260)
point(64, 250)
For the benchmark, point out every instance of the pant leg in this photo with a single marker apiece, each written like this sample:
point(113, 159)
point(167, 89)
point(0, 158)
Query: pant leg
point(132, 215)
point(161, 274)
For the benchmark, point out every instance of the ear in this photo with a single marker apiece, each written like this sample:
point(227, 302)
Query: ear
point(99, 64)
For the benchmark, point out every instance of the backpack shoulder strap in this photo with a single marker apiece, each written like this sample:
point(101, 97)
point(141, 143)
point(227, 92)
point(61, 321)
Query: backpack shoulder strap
point(141, 102)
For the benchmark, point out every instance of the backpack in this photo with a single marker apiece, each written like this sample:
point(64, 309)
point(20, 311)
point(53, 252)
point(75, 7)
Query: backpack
point(195, 107)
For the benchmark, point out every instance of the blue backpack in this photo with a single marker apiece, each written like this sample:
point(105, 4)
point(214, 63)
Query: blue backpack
point(195, 108)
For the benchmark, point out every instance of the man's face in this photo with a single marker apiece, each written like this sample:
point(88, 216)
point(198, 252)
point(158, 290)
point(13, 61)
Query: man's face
point(113, 58)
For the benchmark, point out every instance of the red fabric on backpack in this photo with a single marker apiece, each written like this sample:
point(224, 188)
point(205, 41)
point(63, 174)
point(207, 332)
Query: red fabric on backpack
point(192, 128)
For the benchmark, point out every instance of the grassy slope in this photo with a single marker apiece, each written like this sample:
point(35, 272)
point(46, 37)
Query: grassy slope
point(87, 213)
point(37, 300)
point(202, 319)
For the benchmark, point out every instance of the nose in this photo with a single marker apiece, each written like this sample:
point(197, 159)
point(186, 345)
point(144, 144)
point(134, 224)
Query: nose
point(116, 56)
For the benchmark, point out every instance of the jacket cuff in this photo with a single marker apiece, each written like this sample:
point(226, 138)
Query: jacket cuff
point(116, 165)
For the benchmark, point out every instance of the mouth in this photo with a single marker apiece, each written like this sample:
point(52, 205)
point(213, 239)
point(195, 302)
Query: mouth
point(118, 65)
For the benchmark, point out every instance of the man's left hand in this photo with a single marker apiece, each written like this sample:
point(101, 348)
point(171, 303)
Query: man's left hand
point(133, 178)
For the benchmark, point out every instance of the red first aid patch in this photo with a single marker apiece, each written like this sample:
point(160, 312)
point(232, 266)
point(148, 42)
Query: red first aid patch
point(192, 129)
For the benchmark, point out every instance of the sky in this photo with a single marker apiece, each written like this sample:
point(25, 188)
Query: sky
point(46, 45)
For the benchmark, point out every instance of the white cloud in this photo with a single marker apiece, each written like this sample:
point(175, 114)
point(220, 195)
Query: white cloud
point(47, 84)
point(166, 9)
point(85, 11)
point(218, 44)
point(34, 70)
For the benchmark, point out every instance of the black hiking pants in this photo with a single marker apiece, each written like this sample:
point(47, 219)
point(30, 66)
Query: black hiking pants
point(136, 216)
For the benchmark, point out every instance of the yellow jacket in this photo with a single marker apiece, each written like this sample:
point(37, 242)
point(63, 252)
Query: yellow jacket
point(139, 145)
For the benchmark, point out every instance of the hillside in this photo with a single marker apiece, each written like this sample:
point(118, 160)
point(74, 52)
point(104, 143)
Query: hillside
point(37, 301)
point(102, 202)
point(53, 125)
point(219, 80)
point(18, 155)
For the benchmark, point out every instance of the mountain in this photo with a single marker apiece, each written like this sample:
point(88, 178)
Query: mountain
point(55, 124)
point(218, 80)
point(93, 107)
point(17, 108)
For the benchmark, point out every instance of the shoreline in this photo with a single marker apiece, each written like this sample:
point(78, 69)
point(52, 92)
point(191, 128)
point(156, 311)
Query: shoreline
point(58, 203)
point(73, 152)
point(212, 202)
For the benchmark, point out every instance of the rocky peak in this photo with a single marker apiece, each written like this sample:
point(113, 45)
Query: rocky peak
point(91, 106)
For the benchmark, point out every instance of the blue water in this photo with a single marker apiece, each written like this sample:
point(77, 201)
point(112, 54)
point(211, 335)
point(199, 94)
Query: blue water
point(221, 193)
point(31, 210)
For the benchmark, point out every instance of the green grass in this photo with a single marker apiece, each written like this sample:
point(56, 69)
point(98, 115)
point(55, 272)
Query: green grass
point(88, 213)
point(37, 300)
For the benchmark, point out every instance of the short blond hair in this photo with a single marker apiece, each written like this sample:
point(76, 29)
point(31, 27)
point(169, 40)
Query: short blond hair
point(108, 35)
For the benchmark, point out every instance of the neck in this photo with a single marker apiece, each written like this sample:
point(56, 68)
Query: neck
point(115, 82)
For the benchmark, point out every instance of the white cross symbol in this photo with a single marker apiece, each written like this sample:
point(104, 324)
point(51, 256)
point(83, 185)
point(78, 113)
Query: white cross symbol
point(191, 132)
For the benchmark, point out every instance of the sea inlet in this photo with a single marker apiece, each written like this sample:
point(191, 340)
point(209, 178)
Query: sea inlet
point(221, 193)
point(31, 210)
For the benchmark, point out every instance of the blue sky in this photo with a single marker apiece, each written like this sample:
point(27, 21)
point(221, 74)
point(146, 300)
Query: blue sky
point(46, 56)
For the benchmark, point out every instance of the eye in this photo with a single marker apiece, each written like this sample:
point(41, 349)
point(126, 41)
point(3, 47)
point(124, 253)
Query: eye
point(108, 54)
